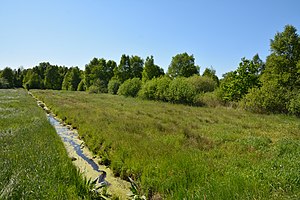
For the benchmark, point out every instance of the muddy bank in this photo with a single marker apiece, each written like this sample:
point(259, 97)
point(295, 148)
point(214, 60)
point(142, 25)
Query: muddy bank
point(83, 158)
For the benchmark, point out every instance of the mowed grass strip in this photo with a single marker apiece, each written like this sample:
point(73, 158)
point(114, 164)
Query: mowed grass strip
point(33, 160)
point(182, 152)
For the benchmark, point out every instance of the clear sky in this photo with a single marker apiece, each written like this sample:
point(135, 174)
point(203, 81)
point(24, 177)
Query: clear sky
point(71, 32)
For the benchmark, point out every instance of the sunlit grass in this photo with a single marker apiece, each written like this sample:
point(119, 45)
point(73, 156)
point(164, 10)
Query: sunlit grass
point(183, 152)
point(33, 160)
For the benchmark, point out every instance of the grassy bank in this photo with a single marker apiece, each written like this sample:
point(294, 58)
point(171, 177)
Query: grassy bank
point(182, 152)
point(33, 160)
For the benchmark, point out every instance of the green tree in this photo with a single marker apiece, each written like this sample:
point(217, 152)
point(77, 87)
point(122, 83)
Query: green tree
point(281, 64)
point(32, 80)
point(3, 83)
point(236, 84)
point(113, 86)
point(72, 79)
point(123, 71)
point(280, 78)
point(99, 70)
point(98, 86)
point(151, 70)
point(109, 70)
point(183, 65)
point(18, 77)
point(211, 73)
point(52, 78)
point(81, 86)
point(8, 75)
point(136, 65)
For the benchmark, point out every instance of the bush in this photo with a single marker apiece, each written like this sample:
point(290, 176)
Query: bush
point(149, 89)
point(4, 83)
point(294, 104)
point(130, 87)
point(81, 86)
point(113, 86)
point(202, 83)
point(210, 99)
point(181, 91)
point(267, 99)
point(162, 88)
point(98, 87)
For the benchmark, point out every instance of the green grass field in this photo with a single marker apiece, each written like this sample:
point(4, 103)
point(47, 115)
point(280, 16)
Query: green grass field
point(182, 152)
point(33, 161)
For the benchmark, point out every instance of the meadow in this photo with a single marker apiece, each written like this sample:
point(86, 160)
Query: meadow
point(182, 152)
point(33, 161)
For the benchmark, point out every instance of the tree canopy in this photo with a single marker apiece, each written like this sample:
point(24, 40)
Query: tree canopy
point(183, 65)
point(236, 84)
point(151, 70)
point(281, 78)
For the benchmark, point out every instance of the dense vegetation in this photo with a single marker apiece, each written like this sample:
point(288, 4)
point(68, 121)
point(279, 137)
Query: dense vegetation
point(183, 152)
point(33, 160)
point(263, 87)
point(171, 150)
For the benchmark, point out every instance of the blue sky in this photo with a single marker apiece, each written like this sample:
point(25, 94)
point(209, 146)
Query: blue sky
point(71, 32)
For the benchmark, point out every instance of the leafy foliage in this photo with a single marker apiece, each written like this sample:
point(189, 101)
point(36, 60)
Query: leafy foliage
point(136, 65)
point(98, 86)
point(113, 86)
point(52, 78)
point(148, 90)
point(211, 73)
point(32, 80)
point(281, 77)
point(236, 84)
point(81, 86)
point(151, 70)
point(99, 69)
point(72, 79)
point(130, 87)
point(183, 65)
point(4, 83)
point(181, 91)
point(202, 84)
point(7, 76)
point(123, 71)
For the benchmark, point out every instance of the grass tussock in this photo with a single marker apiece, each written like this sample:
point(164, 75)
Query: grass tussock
point(33, 160)
point(183, 152)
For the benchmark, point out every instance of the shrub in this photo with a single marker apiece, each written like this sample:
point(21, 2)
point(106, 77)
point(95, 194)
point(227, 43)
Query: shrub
point(98, 87)
point(267, 99)
point(81, 86)
point(163, 84)
point(181, 91)
point(149, 89)
point(210, 99)
point(113, 86)
point(3, 83)
point(202, 83)
point(294, 105)
point(130, 87)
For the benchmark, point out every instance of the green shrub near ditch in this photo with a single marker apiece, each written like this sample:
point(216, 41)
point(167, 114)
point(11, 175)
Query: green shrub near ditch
point(130, 87)
point(33, 161)
point(183, 152)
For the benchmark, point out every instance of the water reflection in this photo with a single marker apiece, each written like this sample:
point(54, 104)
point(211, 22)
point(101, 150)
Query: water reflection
point(68, 137)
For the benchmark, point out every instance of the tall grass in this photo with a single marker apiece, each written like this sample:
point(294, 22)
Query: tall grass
point(33, 160)
point(182, 152)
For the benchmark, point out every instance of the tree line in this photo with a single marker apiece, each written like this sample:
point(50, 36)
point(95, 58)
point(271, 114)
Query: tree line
point(98, 73)
point(264, 87)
